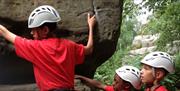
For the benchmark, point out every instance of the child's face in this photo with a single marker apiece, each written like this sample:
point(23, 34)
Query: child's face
point(34, 33)
point(38, 33)
point(118, 83)
point(147, 74)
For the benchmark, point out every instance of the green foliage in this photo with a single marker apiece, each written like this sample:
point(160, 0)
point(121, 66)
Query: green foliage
point(151, 28)
point(158, 5)
point(105, 73)
point(127, 35)
point(133, 60)
point(169, 27)
point(167, 24)
point(129, 9)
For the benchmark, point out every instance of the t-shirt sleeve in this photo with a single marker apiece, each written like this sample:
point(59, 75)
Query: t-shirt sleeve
point(79, 54)
point(24, 48)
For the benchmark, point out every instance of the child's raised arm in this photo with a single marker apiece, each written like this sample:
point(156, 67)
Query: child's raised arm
point(91, 22)
point(7, 34)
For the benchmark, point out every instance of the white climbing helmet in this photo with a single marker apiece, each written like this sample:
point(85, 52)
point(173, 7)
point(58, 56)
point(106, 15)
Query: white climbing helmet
point(41, 15)
point(159, 60)
point(130, 74)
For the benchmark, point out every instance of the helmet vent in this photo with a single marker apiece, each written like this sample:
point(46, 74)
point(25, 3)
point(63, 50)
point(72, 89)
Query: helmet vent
point(133, 70)
point(31, 20)
point(48, 9)
point(37, 10)
point(43, 8)
point(161, 53)
point(127, 69)
point(54, 13)
point(155, 55)
point(33, 14)
point(167, 55)
point(138, 73)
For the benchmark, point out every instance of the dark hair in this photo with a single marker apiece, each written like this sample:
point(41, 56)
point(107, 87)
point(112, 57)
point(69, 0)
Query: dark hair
point(165, 71)
point(52, 26)
point(62, 32)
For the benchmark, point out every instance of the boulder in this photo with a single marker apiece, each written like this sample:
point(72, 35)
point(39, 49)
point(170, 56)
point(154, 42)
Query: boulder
point(144, 41)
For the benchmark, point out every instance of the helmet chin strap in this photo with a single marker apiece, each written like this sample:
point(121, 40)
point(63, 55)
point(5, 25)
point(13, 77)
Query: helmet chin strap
point(153, 71)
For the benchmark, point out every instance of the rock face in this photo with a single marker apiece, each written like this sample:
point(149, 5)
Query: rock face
point(174, 47)
point(14, 15)
point(143, 44)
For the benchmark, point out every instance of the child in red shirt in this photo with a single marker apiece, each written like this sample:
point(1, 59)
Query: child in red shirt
point(127, 78)
point(53, 59)
point(155, 66)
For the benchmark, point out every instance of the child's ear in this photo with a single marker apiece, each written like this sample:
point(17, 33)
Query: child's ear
point(46, 30)
point(127, 86)
point(160, 74)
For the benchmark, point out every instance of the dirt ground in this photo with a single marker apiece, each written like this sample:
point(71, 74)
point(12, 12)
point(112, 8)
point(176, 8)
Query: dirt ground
point(24, 87)
point(33, 87)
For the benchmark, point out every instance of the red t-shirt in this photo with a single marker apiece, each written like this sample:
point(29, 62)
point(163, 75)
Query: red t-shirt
point(109, 88)
point(53, 60)
point(160, 88)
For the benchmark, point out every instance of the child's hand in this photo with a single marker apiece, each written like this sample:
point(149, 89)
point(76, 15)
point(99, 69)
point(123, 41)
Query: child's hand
point(7, 34)
point(2, 29)
point(91, 21)
point(77, 77)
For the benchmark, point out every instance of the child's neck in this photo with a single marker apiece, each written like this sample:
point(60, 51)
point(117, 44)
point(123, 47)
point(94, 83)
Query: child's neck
point(153, 86)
